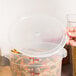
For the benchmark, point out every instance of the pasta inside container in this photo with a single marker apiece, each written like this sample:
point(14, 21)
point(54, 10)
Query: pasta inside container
point(22, 65)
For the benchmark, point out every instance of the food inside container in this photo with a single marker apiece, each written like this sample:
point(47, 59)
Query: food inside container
point(22, 65)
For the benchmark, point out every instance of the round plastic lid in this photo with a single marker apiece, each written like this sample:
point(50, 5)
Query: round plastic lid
point(37, 36)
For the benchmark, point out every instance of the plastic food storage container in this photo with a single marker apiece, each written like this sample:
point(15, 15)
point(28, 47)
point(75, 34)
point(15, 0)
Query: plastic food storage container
point(22, 65)
point(37, 43)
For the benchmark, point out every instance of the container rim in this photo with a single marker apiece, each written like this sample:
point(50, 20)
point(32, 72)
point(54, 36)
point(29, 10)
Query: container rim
point(44, 54)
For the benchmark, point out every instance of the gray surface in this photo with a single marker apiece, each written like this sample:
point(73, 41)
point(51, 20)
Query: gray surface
point(5, 61)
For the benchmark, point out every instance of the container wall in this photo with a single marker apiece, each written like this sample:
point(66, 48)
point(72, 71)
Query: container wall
point(22, 65)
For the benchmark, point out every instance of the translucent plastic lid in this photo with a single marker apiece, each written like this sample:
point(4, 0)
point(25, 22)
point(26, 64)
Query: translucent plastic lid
point(37, 36)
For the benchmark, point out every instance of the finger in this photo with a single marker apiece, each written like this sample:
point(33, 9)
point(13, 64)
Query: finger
point(72, 42)
point(71, 34)
point(71, 29)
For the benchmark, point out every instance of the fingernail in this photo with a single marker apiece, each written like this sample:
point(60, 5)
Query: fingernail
point(69, 33)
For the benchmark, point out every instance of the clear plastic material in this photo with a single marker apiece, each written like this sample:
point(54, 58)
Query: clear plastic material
point(37, 35)
point(22, 65)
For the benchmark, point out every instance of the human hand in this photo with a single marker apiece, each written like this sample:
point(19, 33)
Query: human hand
point(71, 32)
